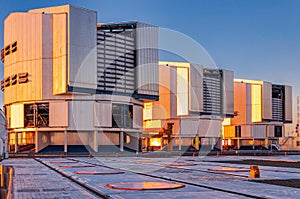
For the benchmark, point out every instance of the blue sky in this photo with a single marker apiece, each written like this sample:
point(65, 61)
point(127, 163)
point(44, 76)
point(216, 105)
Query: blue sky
point(257, 39)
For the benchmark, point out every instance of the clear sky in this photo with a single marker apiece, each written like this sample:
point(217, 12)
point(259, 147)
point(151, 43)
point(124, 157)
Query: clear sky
point(257, 39)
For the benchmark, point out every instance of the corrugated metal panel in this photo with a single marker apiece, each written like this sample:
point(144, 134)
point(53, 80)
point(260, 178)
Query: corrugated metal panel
point(270, 129)
point(228, 92)
point(162, 108)
point(27, 58)
point(288, 116)
point(258, 131)
point(137, 117)
point(189, 127)
point(58, 114)
point(196, 88)
point(267, 100)
point(210, 128)
point(82, 48)
point(47, 50)
point(102, 114)
point(246, 131)
point(81, 115)
point(147, 59)
point(239, 103)
point(60, 53)
point(17, 116)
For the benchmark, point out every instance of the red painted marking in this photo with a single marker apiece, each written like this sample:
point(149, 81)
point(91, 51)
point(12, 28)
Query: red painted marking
point(74, 166)
point(97, 172)
point(61, 162)
point(146, 161)
point(140, 186)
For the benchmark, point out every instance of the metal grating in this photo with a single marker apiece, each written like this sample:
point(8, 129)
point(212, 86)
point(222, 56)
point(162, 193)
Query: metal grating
point(212, 94)
point(115, 60)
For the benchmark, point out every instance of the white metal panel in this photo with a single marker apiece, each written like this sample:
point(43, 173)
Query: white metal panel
point(137, 116)
point(288, 116)
point(189, 127)
point(81, 44)
point(259, 131)
point(17, 116)
point(43, 140)
point(228, 92)
point(147, 59)
point(56, 138)
point(196, 88)
point(78, 138)
point(271, 130)
point(108, 138)
point(102, 114)
point(81, 115)
point(210, 128)
point(246, 131)
point(82, 48)
point(267, 100)
point(58, 114)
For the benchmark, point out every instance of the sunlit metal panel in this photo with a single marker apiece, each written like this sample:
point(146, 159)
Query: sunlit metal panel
point(147, 111)
point(182, 91)
point(60, 53)
point(17, 116)
point(58, 114)
point(256, 105)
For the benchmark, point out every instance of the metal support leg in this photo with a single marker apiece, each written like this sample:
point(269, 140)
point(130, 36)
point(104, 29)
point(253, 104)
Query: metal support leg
point(121, 141)
point(65, 141)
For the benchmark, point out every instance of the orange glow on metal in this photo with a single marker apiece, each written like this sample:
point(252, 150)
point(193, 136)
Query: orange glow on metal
point(178, 64)
point(249, 81)
point(155, 141)
point(152, 124)
point(139, 186)
point(229, 169)
point(256, 104)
